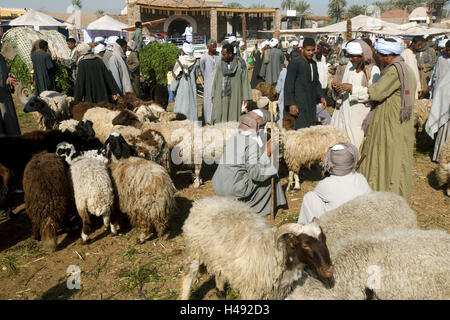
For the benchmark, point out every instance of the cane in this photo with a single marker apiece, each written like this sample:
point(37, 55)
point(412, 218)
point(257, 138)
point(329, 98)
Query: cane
point(272, 163)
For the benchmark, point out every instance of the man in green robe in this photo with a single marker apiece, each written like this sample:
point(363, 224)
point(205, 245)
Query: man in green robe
point(389, 140)
point(137, 36)
point(231, 87)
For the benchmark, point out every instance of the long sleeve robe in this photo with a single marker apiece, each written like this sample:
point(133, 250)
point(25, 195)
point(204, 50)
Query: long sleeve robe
point(138, 39)
point(256, 69)
point(350, 116)
point(245, 173)
point(273, 68)
point(185, 89)
point(228, 108)
point(302, 88)
point(411, 61)
point(280, 91)
point(9, 124)
point(44, 71)
point(208, 67)
point(389, 143)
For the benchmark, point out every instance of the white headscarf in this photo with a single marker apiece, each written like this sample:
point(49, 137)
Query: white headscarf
point(442, 43)
point(232, 39)
point(99, 39)
point(241, 43)
point(385, 47)
point(273, 43)
point(188, 48)
point(294, 43)
point(111, 41)
point(264, 43)
point(354, 49)
point(99, 48)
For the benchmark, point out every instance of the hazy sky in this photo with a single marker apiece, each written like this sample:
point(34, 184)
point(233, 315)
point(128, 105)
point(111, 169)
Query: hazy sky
point(319, 7)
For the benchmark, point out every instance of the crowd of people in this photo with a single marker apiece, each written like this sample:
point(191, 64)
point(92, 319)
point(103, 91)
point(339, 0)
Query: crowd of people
point(372, 87)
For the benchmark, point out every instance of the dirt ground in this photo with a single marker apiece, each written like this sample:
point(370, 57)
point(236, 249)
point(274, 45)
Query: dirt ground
point(118, 268)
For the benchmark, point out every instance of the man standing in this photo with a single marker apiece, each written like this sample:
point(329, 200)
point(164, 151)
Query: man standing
point(231, 87)
point(119, 68)
point(9, 124)
point(188, 32)
point(71, 63)
point(389, 141)
point(137, 36)
point(302, 90)
point(134, 66)
point(184, 83)
point(44, 69)
point(94, 82)
point(208, 66)
point(271, 71)
point(409, 55)
point(426, 59)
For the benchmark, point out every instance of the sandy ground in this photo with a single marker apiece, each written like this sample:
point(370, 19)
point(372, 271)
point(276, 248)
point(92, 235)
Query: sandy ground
point(118, 268)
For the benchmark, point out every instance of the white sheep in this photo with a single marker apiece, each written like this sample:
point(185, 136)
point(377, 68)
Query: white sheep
point(49, 109)
point(92, 186)
point(304, 147)
point(369, 213)
point(443, 172)
point(145, 192)
point(422, 109)
point(237, 246)
point(154, 113)
point(402, 264)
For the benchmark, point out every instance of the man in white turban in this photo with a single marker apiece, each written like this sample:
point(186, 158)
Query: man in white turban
point(271, 67)
point(99, 40)
point(341, 184)
point(109, 49)
point(410, 56)
point(389, 127)
point(185, 73)
point(353, 90)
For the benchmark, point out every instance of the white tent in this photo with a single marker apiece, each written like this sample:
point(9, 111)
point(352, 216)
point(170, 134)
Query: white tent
point(36, 19)
point(414, 29)
point(105, 27)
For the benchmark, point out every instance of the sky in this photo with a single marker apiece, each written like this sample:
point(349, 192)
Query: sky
point(319, 7)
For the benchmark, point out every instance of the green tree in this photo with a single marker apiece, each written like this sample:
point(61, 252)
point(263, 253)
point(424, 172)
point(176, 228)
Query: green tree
point(77, 3)
point(235, 5)
point(287, 4)
point(155, 60)
point(302, 7)
point(355, 10)
point(336, 9)
point(438, 6)
point(257, 6)
point(100, 12)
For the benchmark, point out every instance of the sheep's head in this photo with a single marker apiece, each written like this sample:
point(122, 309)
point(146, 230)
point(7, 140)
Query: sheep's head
point(66, 151)
point(35, 104)
point(305, 244)
point(85, 129)
point(116, 146)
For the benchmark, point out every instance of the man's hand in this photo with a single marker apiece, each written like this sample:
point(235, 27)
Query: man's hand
point(116, 97)
point(293, 110)
point(273, 143)
point(338, 105)
point(324, 103)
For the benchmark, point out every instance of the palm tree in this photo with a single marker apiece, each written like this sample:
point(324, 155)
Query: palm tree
point(336, 9)
point(258, 6)
point(287, 4)
point(302, 6)
point(234, 5)
point(100, 11)
point(355, 10)
point(77, 3)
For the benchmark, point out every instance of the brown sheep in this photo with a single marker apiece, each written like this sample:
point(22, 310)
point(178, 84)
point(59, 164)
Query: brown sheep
point(268, 90)
point(48, 196)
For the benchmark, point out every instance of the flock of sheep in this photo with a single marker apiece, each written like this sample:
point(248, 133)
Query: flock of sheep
point(109, 160)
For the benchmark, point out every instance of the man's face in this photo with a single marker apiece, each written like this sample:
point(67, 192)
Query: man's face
point(308, 52)
point(418, 46)
point(212, 47)
point(71, 45)
point(227, 57)
point(385, 59)
point(355, 60)
point(124, 48)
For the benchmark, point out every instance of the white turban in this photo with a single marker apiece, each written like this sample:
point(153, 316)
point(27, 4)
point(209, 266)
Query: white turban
point(354, 49)
point(112, 40)
point(241, 43)
point(99, 39)
point(442, 43)
point(188, 48)
point(385, 47)
point(264, 43)
point(232, 39)
point(99, 48)
point(300, 43)
point(273, 43)
point(294, 43)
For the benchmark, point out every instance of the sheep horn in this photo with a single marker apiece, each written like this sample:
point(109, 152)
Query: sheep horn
point(293, 228)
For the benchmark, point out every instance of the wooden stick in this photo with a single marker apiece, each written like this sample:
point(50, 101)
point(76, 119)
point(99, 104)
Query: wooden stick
point(272, 162)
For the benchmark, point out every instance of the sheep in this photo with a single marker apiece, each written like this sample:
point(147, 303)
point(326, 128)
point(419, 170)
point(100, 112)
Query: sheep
point(369, 213)
point(304, 147)
point(443, 172)
point(268, 90)
point(144, 190)
point(401, 264)
point(5, 175)
point(421, 110)
point(237, 246)
point(92, 187)
point(155, 113)
point(84, 128)
point(49, 108)
point(256, 94)
point(48, 197)
point(159, 95)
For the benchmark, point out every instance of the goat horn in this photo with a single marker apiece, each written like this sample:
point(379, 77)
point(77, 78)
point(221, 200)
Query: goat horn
point(293, 228)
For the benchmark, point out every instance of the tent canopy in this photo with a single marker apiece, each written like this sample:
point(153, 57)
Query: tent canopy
point(36, 19)
point(106, 23)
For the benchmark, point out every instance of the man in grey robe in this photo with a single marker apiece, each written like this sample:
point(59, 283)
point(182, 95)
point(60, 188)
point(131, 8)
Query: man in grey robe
point(184, 84)
point(245, 171)
point(137, 36)
point(208, 66)
point(9, 124)
point(71, 62)
point(231, 88)
point(341, 184)
point(44, 69)
point(271, 71)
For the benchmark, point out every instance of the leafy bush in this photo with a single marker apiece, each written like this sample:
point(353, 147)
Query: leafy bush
point(63, 80)
point(155, 60)
point(20, 70)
